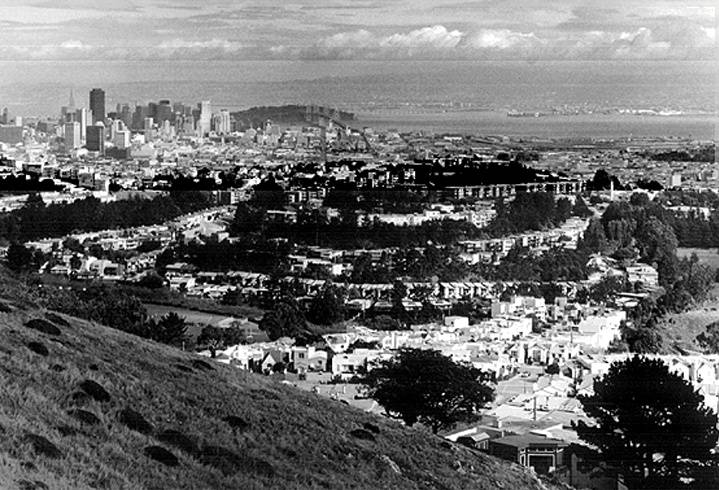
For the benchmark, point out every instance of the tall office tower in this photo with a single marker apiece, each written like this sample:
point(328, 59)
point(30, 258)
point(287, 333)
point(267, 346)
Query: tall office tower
point(152, 110)
point(222, 122)
point(126, 115)
point(96, 138)
point(81, 117)
point(205, 118)
point(72, 135)
point(97, 105)
point(163, 112)
point(138, 117)
point(5, 117)
point(71, 104)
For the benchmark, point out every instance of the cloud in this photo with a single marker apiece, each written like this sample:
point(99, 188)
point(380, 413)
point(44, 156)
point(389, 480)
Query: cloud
point(215, 44)
point(431, 40)
point(503, 39)
point(74, 44)
point(435, 37)
point(669, 38)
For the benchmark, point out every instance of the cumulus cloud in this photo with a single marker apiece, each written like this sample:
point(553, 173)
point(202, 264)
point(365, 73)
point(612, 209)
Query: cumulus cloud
point(432, 40)
point(678, 39)
point(435, 37)
point(503, 39)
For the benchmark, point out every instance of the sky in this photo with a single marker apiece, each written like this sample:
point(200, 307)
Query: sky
point(357, 29)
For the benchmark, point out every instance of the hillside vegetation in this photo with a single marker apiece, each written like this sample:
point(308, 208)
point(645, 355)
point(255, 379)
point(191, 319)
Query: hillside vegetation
point(86, 406)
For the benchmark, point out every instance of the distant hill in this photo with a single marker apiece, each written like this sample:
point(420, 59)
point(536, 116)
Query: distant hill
point(85, 406)
point(285, 115)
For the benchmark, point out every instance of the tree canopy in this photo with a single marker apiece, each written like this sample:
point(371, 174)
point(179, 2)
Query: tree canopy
point(651, 425)
point(285, 320)
point(427, 387)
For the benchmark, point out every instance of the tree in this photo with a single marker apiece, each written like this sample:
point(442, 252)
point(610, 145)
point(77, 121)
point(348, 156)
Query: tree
point(19, 257)
point(650, 424)
point(552, 368)
point(170, 329)
point(643, 338)
point(285, 320)
point(398, 311)
point(151, 280)
point(328, 307)
point(216, 338)
point(427, 387)
point(73, 245)
point(709, 339)
point(581, 209)
point(75, 262)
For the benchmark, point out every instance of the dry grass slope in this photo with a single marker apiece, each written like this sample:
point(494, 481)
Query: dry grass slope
point(96, 408)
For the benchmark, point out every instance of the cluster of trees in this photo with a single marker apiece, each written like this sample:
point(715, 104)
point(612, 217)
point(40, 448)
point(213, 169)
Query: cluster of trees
point(20, 258)
point(287, 319)
point(115, 308)
point(27, 183)
point(530, 211)
point(470, 171)
point(418, 264)
point(521, 264)
point(248, 253)
point(603, 181)
point(35, 220)
point(688, 197)
point(703, 154)
point(646, 229)
point(314, 228)
point(384, 200)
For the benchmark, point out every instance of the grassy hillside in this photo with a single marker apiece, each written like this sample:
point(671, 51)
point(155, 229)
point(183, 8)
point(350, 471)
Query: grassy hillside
point(85, 406)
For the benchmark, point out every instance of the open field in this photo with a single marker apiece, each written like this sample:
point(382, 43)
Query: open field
point(191, 316)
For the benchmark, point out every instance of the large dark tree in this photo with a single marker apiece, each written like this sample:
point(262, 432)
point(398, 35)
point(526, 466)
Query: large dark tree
point(651, 425)
point(327, 308)
point(215, 338)
point(19, 257)
point(170, 329)
point(285, 320)
point(427, 387)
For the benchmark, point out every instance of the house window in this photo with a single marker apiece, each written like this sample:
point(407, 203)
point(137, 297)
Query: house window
point(301, 355)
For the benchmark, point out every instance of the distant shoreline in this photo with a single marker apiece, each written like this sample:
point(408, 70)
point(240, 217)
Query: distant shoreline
point(698, 126)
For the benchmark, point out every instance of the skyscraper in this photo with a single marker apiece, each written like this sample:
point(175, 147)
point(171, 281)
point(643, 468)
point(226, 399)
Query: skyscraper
point(81, 117)
point(205, 122)
point(96, 139)
point(97, 105)
point(72, 135)
point(222, 122)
